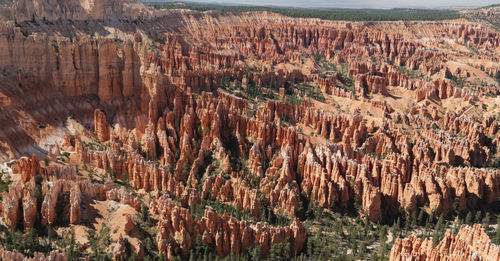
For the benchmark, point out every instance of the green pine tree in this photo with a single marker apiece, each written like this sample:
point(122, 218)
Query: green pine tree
point(420, 218)
point(440, 224)
point(430, 220)
point(468, 219)
point(486, 220)
point(479, 217)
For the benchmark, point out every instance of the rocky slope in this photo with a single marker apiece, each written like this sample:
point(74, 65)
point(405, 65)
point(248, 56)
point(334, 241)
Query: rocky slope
point(175, 110)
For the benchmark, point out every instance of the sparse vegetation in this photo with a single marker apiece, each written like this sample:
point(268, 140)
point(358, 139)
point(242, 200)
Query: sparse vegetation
point(4, 183)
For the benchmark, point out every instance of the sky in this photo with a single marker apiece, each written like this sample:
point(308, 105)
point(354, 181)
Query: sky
point(357, 3)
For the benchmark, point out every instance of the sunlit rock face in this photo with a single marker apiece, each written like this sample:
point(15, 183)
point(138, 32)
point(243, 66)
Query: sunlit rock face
point(470, 243)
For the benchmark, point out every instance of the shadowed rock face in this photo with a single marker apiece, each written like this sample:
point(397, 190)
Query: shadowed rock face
point(166, 102)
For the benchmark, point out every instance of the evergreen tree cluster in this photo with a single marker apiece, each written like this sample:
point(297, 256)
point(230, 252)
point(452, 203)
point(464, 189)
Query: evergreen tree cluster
point(399, 14)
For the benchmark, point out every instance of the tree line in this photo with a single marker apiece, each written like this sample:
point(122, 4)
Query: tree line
point(398, 14)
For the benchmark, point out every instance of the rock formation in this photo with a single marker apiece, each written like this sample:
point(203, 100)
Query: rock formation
point(256, 111)
point(470, 243)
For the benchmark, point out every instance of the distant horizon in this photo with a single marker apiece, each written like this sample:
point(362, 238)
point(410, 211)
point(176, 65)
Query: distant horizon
point(349, 4)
